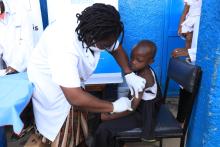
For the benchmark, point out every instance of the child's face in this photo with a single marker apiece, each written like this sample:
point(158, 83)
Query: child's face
point(140, 58)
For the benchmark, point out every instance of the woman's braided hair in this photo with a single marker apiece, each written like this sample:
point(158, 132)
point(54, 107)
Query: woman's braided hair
point(98, 22)
point(2, 6)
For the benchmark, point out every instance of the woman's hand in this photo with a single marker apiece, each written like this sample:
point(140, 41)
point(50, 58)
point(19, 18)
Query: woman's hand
point(135, 83)
point(180, 52)
point(10, 70)
point(122, 104)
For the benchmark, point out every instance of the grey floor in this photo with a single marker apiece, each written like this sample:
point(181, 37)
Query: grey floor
point(166, 142)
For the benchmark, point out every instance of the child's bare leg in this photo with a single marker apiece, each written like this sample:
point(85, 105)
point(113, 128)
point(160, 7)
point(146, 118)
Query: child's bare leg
point(188, 39)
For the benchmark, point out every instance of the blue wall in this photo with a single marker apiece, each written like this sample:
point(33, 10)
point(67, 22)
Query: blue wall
point(205, 124)
point(143, 19)
point(150, 19)
point(157, 21)
point(173, 12)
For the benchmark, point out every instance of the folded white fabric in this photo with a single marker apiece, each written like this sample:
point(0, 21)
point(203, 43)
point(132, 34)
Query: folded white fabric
point(3, 72)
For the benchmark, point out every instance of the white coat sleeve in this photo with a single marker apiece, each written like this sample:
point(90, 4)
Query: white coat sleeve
point(24, 43)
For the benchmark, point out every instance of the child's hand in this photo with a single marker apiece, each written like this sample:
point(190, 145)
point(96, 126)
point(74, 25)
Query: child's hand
point(105, 116)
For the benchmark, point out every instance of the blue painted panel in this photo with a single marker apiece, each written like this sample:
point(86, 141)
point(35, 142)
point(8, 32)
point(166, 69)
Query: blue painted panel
point(204, 128)
point(172, 43)
point(143, 19)
point(174, 10)
point(107, 64)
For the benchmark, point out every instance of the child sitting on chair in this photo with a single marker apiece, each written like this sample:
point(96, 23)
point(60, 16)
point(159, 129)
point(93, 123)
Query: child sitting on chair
point(145, 107)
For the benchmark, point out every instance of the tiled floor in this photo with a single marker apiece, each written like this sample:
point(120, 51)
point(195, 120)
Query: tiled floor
point(166, 142)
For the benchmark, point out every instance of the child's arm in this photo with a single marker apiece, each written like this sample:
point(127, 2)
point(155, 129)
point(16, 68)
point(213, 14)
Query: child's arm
point(135, 101)
point(183, 17)
point(108, 116)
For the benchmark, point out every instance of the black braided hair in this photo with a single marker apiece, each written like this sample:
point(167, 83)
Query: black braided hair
point(2, 6)
point(98, 22)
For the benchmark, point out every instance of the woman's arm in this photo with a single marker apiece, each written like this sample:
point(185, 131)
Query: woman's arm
point(122, 59)
point(183, 17)
point(78, 97)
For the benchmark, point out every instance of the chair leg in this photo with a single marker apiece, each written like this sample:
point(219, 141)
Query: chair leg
point(161, 142)
point(118, 143)
point(182, 141)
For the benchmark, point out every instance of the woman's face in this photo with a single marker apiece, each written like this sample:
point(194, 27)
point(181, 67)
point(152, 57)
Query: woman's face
point(107, 43)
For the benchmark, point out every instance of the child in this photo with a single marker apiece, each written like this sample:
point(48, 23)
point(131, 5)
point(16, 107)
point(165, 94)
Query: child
point(144, 109)
point(188, 29)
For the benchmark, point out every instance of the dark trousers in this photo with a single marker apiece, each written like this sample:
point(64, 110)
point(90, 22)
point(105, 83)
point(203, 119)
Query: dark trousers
point(144, 117)
point(27, 116)
point(3, 141)
point(106, 132)
point(185, 102)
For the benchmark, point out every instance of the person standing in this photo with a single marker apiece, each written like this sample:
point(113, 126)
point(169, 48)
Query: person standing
point(188, 29)
point(66, 56)
point(16, 39)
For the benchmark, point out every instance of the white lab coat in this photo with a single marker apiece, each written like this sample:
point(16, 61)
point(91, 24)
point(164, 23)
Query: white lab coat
point(16, 38)
point(191, 24)
point(193, 50)
point(33, 7)
point(58, 59)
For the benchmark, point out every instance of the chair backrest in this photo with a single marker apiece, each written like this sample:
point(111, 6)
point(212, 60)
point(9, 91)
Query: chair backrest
point(186, 75)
